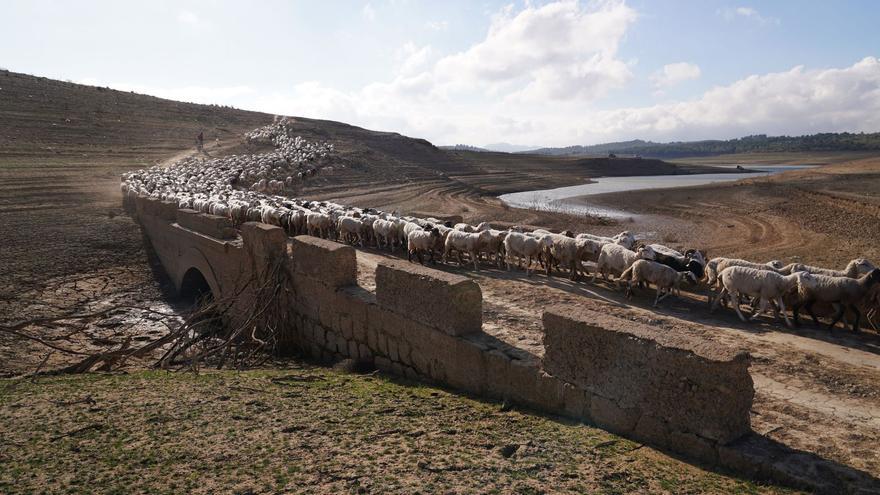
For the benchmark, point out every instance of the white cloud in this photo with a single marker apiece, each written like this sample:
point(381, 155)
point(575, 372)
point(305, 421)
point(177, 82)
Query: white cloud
point(191, 20)
point(412, 59)
point(672, 74)
point(369, 12)
point(437, 25)
point(559, 51)
point(797, 101)
point(536, 76)
point(747, 13)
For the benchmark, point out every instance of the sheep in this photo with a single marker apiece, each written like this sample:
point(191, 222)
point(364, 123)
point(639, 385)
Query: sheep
point(679, 264)
point(318, 223)
point(668, 251)
point(466, 241)
point(854, 269)
point(766, 285)
point(617, 258)
point(463, 227)
point(519, 245)
point(717, 265)
point(844, 292)
point(350, 229)
point(666, 279)
point(495, 246)
point(565, 251)
point(482, 226)
point(421, 241)
point(385, 232)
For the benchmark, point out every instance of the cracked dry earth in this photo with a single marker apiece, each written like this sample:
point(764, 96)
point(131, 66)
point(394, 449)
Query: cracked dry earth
point(815, 392)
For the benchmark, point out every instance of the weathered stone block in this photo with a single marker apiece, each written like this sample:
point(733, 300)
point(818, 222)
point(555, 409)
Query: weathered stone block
point(693, 446)
point(575, 402)
point(448, 302)
point(651, 430)
point(329, 262)
point(607, 414)
point(392, 349)
point(383, 363)
point(364, 352)
point(210, 225)
point(457, 362)
point(694, 385)
point(168, 211)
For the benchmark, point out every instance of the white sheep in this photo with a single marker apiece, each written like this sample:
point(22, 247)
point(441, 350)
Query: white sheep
point(843, 292)
point(421, 241)
point(521, 246)
point(616, 259)
point(667, 279)
point(350, 229)
point(469, 242)
point(386, 233)
point(854, 269)
point(765, 285)
point(318, 223)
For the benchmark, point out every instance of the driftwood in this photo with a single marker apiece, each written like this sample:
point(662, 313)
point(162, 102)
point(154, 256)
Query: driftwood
point(202, 338)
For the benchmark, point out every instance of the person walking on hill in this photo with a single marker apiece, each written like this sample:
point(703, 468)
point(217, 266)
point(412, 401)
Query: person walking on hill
point(200, 141)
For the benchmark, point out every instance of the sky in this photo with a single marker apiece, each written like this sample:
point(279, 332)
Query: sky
point(552, 73)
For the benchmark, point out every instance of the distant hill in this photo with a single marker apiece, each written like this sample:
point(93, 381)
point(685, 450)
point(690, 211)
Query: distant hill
point(463, 147)
point(510, 148)
point(760, 143)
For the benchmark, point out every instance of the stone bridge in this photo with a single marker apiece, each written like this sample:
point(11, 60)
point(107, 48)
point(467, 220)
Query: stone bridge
point(674, 393)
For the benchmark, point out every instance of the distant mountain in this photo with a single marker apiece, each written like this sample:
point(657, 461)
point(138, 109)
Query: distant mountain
point(462, 147)
point(509, 148)
point(833, 141)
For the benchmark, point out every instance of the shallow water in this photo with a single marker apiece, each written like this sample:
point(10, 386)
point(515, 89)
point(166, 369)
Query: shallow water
point(561, 198)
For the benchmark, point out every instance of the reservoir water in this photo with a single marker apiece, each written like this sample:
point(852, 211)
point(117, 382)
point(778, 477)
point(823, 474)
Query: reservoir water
point(560, 199)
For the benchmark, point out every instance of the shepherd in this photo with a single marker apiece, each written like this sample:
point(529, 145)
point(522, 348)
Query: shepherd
point(200, 141)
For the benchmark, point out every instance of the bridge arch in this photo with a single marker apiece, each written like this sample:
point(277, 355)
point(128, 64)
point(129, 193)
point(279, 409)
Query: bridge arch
point(196, 276)
point(194, 287)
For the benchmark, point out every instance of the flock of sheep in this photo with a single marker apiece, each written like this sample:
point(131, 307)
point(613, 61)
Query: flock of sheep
point(245, 187)
point(230, 185)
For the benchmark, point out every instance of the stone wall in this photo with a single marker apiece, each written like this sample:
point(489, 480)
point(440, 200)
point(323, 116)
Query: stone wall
point(643, 382)
point(426, 324)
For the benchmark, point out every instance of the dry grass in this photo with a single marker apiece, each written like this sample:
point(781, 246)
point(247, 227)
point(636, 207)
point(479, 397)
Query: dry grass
point(310, 430)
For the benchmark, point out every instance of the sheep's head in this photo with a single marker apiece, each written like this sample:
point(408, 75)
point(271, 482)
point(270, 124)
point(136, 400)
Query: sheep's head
point(626, 239)
point(862, 266)
point(646, 252)
point(568, 233)
point(435, 232)
point(805, 282)
point(775, 264)
point(688, 277)
point(695, 268)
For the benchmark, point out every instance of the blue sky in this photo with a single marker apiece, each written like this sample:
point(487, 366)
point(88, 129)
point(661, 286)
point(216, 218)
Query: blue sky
point(534, 73)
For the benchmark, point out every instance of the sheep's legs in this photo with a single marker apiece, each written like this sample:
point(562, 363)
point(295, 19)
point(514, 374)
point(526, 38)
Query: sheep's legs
point(657, 296)
point(855, 327)
point(736, 303)
point(475, 257)
point(784, 316)
point(720, 295)
point(809, 307)
point(837, 318)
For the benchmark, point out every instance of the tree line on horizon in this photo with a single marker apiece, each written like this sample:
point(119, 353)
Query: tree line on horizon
point(759, 143)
